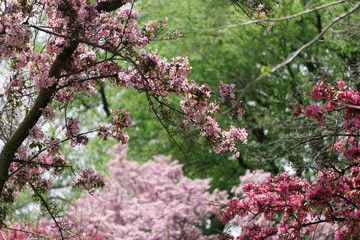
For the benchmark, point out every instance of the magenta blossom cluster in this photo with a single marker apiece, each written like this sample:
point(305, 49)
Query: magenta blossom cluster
point(303, 208)
point(316, 112)
point(294, 208)
point(341, 95)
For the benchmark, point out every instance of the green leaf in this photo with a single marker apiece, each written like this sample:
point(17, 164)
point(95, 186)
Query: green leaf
point(265, 70)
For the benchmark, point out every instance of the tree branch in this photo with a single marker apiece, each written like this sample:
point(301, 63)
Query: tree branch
point(25, 231)
point(110, 5)
point(292, 56)
point(43, 201)
point(7, 154)
point(104, 100)
point(275, 19)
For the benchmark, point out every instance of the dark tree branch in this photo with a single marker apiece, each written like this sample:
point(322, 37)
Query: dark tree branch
point(42, 200)
point(110, 5)
point(318, 21)
point(104, 100)
point(7, 155)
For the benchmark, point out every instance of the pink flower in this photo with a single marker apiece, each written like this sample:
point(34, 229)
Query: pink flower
point(297, 110)
point(341, 84)
point(316, 112)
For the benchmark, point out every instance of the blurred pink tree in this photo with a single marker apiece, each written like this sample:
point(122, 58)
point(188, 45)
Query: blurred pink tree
point(153, 200)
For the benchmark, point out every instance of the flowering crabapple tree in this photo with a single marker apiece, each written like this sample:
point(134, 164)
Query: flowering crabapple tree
point(295, 207)
point(153, 200)
point(53, 50)
point(257, 177)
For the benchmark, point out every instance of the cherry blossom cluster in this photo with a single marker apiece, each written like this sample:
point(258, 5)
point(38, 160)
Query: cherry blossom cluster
point(228, 139)
point(13, 34)
point(30, 166)
point(36, 133)
point(70, 16)
point(196, 107)
point(227, 96)
point(258, 10)
point(196, 103)
point(89, 180)
point(227, 92)
point(107, 31)
point(120, 121)
point(73, 132)
point(153, 200)
point(26, 173)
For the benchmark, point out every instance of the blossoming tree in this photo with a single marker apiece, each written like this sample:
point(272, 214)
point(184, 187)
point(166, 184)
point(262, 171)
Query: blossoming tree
point(153, 200)
point(51, 51)
point(295, 207)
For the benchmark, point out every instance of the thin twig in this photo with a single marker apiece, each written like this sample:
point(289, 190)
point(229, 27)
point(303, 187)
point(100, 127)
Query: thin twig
point(274, 19)
point(25, 231)
point(292, 56)
point(43, 201)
